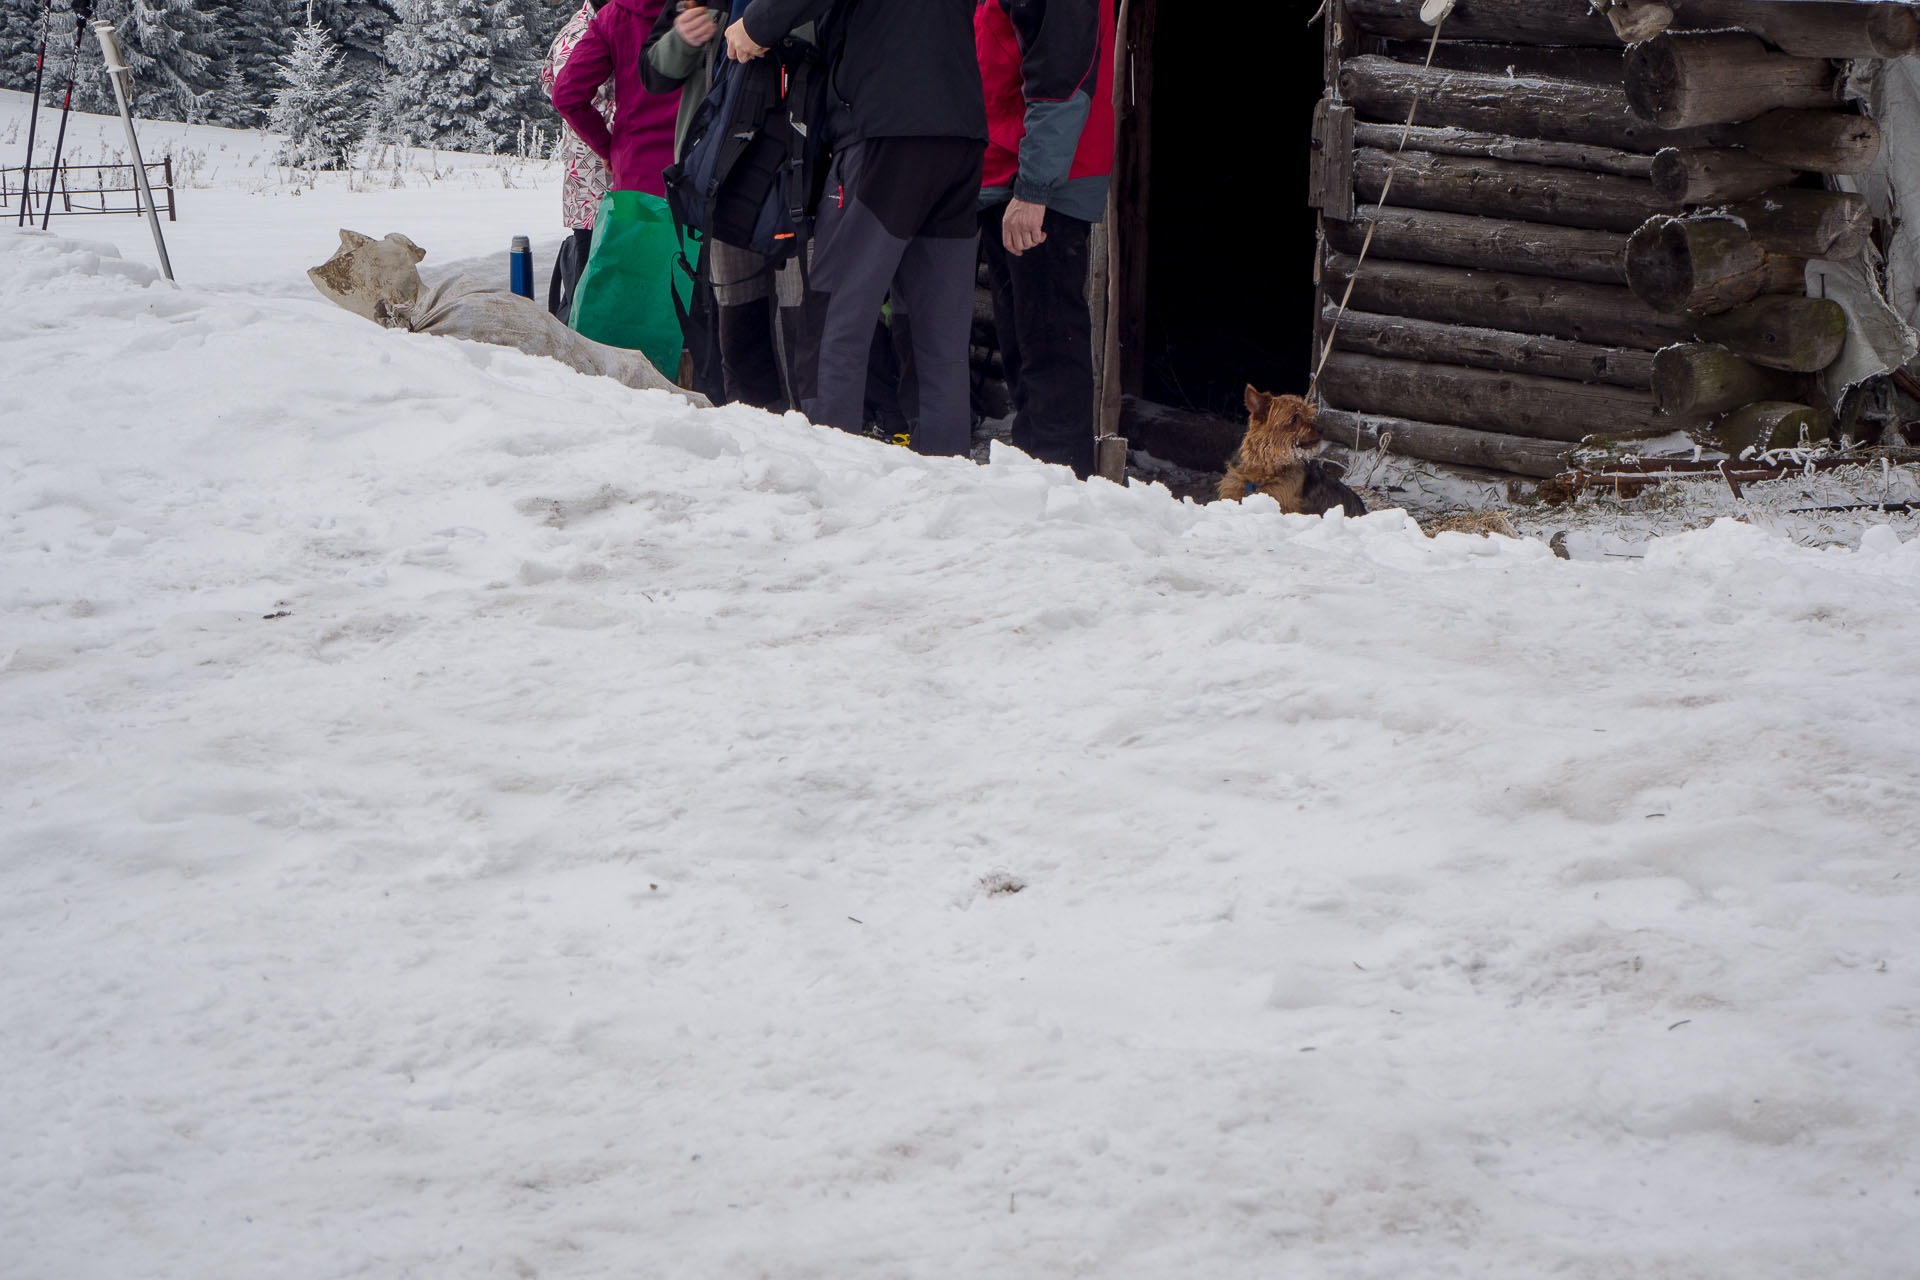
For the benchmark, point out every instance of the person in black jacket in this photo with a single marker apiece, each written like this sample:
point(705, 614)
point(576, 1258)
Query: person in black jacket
point(907, 124)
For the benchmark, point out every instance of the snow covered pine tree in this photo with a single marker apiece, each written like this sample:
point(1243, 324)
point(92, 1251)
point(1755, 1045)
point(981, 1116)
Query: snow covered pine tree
point(255, 36)
point(314, 106)
point(171, 47)
point(461, 72)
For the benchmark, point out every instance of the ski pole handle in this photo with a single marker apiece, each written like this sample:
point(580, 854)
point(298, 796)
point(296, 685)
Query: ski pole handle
point(111, 55)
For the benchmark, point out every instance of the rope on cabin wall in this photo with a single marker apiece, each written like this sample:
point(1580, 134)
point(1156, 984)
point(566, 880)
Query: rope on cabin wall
point(1386, 189)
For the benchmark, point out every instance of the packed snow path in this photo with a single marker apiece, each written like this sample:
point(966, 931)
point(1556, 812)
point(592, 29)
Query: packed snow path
point(464, 818)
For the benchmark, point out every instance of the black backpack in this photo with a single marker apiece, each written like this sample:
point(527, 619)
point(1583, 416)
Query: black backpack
point(747, 172)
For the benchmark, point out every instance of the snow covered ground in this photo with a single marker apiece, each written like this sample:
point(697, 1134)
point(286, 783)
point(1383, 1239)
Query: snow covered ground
point(467, 819)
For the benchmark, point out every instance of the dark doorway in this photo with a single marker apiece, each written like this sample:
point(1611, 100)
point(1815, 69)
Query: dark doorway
point(1230, 238)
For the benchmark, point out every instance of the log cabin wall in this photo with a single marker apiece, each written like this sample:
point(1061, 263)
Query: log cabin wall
point(1586, 238)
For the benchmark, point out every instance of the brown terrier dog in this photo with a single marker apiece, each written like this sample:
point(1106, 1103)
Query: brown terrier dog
point(1274, 459)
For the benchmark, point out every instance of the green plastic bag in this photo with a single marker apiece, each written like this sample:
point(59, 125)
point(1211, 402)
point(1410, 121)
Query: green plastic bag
point(625, 297)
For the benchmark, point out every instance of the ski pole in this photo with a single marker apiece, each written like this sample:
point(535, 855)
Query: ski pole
point(33, 116)
point(82, 10)
point(123, 91)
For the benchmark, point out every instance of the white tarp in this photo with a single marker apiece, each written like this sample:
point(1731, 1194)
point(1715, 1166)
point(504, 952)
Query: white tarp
point(1881, 295)
point(379, 279)
point(1890, 92)
point(464, 307)
point(1877, 338)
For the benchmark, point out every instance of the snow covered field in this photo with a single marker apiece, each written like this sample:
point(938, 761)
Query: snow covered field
point(467, 819)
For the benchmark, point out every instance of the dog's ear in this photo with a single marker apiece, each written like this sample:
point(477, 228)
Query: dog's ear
point(1257, 402)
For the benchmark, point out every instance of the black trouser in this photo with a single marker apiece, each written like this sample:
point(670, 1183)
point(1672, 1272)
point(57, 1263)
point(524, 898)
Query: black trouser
point(751, 365)
point(897, 216)
point(743, 289)
point(1046, 337)
point(567, 266)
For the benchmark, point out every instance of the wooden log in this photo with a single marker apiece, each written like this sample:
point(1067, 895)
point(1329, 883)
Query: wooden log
point(1823, 141)
point(1550, 62)
point(1512, 403)
point(1436, 442)
point(1330, 176)
point(1704, 265)
point(1799, 335)
point(1771, 424)
point(1183, 436)
point(1494, 146)
point(1681, 80)
point(1481, 348)
point(1850, 29)
point(1500, 146)
point(1714, 175)
point(1381, 90)
point(1510, 21)
point(1601, 314)
point(1341, 40)
point(1493, 244)
point(1132, 168)
point(1700, 379)
point(1502, 189)
point(1803, 223)
point(1106, 416)
point(1097, 255)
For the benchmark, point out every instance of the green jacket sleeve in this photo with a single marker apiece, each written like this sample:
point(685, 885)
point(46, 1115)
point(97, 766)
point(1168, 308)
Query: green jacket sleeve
point(669, 61)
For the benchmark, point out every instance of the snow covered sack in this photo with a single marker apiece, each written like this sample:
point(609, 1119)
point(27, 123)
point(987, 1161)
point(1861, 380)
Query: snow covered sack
point(380, 279)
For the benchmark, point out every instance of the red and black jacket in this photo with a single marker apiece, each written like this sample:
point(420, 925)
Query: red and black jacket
point(1047, 69)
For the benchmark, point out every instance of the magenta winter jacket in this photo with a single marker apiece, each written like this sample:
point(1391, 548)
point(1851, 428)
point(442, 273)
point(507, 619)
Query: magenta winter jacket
point(640, 144)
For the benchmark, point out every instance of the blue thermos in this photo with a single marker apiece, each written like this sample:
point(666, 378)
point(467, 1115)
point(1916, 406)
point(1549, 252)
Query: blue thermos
point(521, 256)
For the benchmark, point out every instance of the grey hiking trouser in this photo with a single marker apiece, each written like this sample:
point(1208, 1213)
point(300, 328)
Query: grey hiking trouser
point(897, 216)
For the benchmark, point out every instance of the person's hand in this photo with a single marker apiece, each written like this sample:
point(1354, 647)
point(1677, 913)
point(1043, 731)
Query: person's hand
point(696, 25)
point(740, 45)
point(1020, 226)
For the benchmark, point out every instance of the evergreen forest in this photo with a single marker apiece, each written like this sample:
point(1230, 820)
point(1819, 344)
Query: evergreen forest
point(460, 74)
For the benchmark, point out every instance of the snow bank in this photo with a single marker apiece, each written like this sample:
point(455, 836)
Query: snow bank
point(469, 818)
